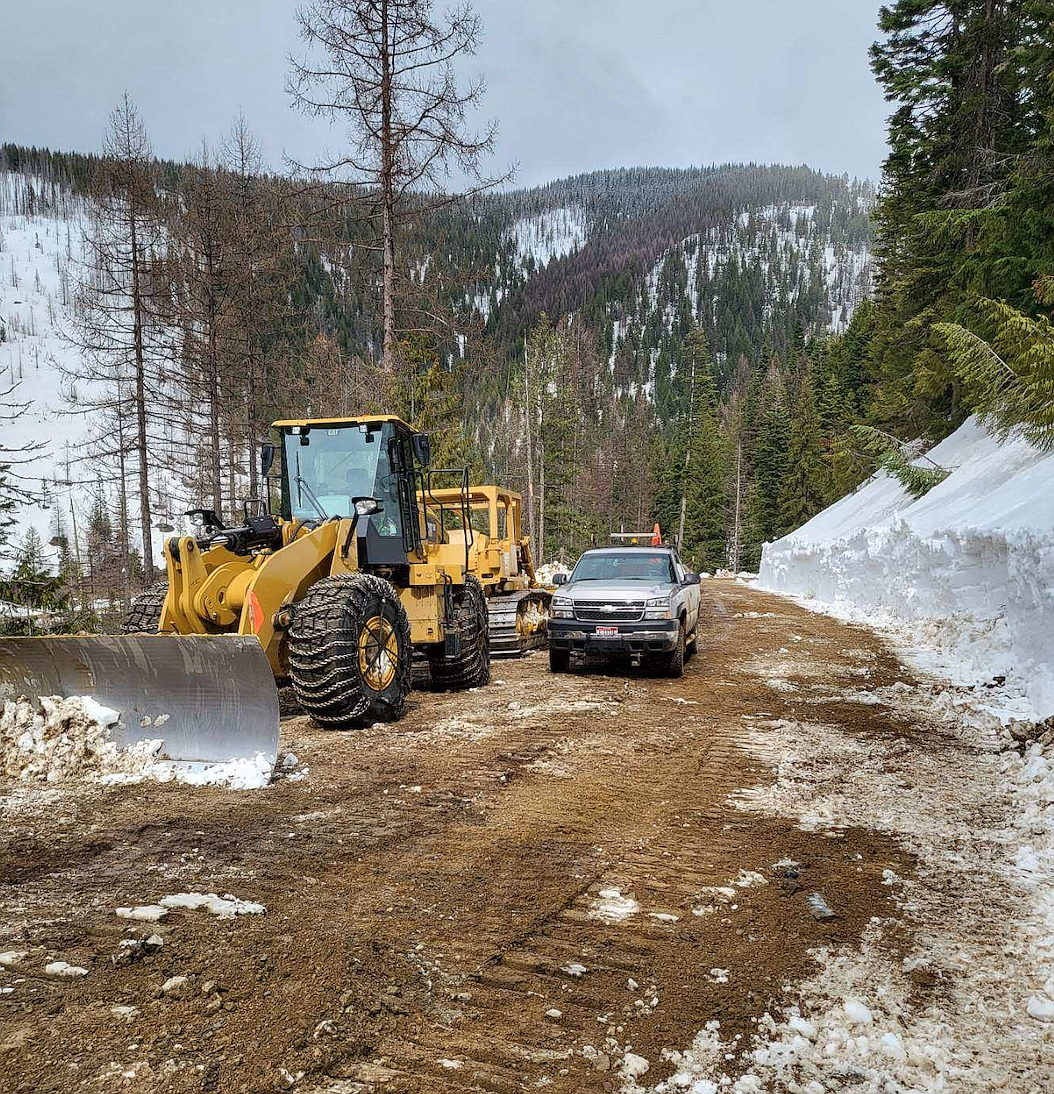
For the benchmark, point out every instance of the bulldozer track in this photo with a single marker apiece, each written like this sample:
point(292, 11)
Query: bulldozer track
point(508, 637)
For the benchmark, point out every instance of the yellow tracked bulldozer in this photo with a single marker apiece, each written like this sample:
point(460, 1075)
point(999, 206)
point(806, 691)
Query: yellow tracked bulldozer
point(361, 565)
point(500, 556)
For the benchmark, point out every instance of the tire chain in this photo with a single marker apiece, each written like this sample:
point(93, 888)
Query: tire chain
point(323, 650)
point(144, 613)
point(468, 669)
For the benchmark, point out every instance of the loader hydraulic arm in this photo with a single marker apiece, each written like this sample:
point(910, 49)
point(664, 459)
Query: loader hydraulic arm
point(257, 534)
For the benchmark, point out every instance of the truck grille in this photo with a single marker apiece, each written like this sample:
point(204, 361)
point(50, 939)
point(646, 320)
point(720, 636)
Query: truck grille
point(598, 611)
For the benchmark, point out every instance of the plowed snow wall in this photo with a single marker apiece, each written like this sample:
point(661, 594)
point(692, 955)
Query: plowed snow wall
point(968, 569)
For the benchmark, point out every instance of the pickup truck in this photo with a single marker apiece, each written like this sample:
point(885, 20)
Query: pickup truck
point(639, 601)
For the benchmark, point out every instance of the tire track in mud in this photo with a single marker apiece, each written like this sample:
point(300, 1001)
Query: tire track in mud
point(435, 889)
point(560, 1005)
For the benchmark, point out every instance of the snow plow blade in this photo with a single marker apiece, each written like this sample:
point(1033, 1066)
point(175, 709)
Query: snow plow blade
point(217, 691)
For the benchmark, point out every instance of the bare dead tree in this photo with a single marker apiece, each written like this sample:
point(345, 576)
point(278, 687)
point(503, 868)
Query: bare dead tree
point(256, 219)
point(208, 302)
point(326, 383)
point(121, 349)
point(385, 68)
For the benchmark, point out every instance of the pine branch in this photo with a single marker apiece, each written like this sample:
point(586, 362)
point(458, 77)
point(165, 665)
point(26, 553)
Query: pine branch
point(898, 459)
point(1011, 378)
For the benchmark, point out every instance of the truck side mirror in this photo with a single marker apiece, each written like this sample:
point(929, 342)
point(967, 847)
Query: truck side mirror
point(267, 451)
point(422, 444)
point(690, 578)
point(559, 579)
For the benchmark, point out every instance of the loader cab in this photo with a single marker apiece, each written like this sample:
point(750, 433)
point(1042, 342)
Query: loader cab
point(328, 463)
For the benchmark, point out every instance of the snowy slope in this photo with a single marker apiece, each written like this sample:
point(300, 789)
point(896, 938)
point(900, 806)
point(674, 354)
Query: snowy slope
point(968, 569)
point(41, 253)
point(552, 234)
point(37, 251)
point(780, 240)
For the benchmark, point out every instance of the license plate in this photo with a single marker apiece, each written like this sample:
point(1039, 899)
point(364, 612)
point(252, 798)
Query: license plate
point(607, 632)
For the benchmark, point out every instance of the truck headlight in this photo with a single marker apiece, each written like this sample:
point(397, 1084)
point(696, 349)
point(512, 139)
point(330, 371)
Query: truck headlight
point(563, 607)
point(657, 608)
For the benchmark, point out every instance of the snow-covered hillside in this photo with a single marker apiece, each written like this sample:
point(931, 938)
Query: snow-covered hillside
point(41, 237)
point(552, 234)
point(537, 241)
point(967, 570)
point(792, 252)
point(42, 243)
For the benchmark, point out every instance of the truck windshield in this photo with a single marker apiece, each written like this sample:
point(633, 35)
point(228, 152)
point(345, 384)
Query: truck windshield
point(624, 565)
point(327, 467)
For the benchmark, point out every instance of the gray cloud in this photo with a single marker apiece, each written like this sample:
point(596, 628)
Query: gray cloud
point(575, 84)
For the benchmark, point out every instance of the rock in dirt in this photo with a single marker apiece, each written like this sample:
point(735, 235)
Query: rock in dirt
point(175, 987)
point(819, 908)
point(16, 1041)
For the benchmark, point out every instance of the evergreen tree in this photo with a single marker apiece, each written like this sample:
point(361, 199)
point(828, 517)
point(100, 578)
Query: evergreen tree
point(966, 116)
point(1011, 376)
point(803, 489)
point(705, 530)
point(770, 465)
point(32, 583)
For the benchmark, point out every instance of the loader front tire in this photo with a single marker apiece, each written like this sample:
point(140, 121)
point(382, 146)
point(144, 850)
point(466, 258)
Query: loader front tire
point(470, 667)
point(349, 652)
point(144, 613)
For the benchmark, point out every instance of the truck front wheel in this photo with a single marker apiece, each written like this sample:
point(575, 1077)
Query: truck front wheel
point(559, 660)
point(675, 658)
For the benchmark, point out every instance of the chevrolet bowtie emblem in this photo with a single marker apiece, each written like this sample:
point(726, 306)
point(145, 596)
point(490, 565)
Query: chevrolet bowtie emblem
point(610, 608)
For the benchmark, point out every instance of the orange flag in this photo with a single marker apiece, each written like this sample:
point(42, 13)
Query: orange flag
point(656, 537)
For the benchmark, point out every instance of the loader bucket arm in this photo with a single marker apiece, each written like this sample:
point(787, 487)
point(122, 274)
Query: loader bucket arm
point(217, 690)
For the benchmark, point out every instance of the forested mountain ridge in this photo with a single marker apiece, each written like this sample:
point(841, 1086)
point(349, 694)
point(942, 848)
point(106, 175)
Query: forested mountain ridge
point(590, 243)
point(566, 309)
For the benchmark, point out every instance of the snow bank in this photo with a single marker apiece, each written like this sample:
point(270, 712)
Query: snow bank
point(966, 571)
point(57, 739)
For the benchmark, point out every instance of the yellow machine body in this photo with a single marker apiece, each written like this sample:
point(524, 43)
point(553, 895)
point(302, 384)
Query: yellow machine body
point(499, 554)
point(357, 519)
point(217, 592)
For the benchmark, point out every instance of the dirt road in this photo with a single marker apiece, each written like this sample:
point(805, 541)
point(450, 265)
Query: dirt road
point(529, 886)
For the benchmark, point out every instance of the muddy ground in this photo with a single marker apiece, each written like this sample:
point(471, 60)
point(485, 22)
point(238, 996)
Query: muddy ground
point(433, 890)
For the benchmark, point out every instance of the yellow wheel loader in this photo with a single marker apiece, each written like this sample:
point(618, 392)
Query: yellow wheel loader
point(500, 556)
point(331, 595)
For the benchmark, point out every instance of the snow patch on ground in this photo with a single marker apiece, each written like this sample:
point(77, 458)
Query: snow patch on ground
point(966, 572)
point(64, 970)
point(978, 815)
point(226, 907)
point(610, 906)
point(57, 739)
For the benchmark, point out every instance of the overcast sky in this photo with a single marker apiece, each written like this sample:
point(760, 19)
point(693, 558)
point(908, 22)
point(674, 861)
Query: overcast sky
point(575, 84)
